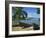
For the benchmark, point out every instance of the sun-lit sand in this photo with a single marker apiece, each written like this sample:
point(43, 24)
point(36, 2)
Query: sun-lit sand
point(21, 28)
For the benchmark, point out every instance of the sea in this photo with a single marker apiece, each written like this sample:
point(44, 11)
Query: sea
point(29, 21)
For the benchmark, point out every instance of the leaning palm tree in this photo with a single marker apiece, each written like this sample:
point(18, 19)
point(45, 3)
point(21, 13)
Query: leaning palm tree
point(18, 14)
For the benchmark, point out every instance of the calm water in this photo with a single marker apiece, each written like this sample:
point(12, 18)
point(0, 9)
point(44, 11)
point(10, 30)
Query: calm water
point(34, 20)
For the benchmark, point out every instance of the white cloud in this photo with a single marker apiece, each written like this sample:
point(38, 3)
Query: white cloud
point(35, 15)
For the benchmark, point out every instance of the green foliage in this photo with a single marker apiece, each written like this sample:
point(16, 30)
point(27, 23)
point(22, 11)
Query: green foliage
point(38, 10)
point(19, 14)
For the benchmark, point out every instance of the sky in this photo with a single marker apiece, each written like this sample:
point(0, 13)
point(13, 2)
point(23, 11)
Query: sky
point(32, 12)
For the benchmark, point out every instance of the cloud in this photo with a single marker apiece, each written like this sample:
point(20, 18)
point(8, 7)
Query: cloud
point(34, 15)
point(32, 12)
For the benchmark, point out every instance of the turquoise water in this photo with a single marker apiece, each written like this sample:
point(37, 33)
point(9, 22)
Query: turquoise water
point(34, 20)
point(31, 21)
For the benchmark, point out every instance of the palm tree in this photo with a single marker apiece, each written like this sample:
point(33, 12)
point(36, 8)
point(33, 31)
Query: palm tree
point(18, 14)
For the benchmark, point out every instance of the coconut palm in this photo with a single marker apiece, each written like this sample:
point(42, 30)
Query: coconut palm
point(18, 14)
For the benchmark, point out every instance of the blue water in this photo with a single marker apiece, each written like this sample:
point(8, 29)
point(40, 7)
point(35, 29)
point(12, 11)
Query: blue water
point(34, 20)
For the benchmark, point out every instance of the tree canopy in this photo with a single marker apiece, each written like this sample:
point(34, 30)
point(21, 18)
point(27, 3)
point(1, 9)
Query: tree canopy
point(19, 14)
point(38, 10)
